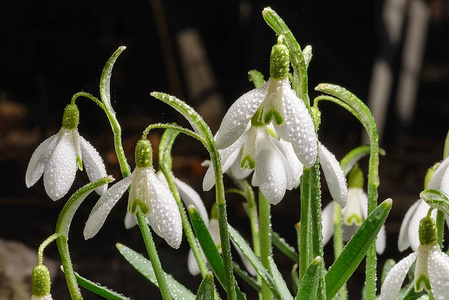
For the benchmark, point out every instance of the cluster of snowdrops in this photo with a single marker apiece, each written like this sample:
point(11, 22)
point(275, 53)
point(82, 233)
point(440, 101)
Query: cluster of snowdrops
point(268, 140)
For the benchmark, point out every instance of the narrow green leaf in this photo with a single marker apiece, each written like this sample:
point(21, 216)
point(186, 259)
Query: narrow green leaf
point(355, 250)
point(295, 278)
point(310, 281)
point(247, 278)
point(105, 79)
point(279, 281)
point(207, 244)
point(436, 199)
point(98, 289)
point(206, 290)
point(350, 159)
point(254, 260)
point(284, 247)
point(145, 268)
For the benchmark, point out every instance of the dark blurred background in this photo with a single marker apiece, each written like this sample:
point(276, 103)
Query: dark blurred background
point(201, 52)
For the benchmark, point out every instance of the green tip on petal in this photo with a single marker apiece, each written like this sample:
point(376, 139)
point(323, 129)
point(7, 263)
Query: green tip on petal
point(355, 177)
point(138, 205)
point(79, 163)
point(427, 231)
point(71, 117)
point(422, 282)
point(247, 163)
point(353, 219)
point(40, 281)
point(279, 62)
point(144, 154)
point(275, 115)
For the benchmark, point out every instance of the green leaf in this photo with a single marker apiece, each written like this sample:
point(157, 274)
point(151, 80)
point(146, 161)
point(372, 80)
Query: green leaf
point(247, 278)
point(105, 79)
point(309, 284)
point(98, 289)
point(254, 260)
point(436, 199)
point(285, 248)
point(145, 268)
point(279, 281)
point(207, 244)
point(256, 77)
point(355, 250)
point(349, 161)
point(206, 290)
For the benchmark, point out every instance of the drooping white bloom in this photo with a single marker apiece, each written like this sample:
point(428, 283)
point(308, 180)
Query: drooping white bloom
point(353, 216)
point(59, 156)
point(410, 224)
point(431, 271)
point(148, 195)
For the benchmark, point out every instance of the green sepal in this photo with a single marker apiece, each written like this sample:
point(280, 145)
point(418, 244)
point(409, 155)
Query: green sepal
point(99, 289)
point(206, 290)
point(436, 199)
point(356, 249)
point(144, 154)
point(71, 117)
point(310, 281)
point(40, 281)
point(144, 267)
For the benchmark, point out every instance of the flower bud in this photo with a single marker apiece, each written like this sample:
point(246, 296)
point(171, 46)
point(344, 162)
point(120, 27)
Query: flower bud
point(427, 231)
point(144, 154)
point(40, 282)
point(71, 117)
point(279, 62)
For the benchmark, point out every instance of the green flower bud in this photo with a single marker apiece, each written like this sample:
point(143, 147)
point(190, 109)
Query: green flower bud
point(144, 154)
point(427, 231)
point(40, 281)
point(355, 177)
point(279, 62)
point(71, 117)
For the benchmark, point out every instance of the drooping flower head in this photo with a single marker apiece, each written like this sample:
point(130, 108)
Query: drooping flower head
point(148, 196)
point(264, 127)
point(59, 156)
point(432, 266)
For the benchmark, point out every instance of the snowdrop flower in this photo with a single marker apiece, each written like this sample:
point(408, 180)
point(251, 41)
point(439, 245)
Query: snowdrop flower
point(439, 179)
point(353, 214)
point(59, 156)
point(148, 196)
point(432, 266)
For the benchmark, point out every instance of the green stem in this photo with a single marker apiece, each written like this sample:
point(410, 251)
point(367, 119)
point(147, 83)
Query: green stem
point(70, 278)
point(40, 251)
point(338, 244)
point(265, 239)
point(154, 258)
point(305, 253)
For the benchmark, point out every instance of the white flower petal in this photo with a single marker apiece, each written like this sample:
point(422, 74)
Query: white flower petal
point(164, 217)
point(439, 274)
point(214, 230)
point(355, 212)
point(192, 264)
point(248, 266)
point(236, 172)
point(60, 170)
point(393, 282)
point(190, 197)
point(381, 240)
point(437, 177)
point(403, 242)
point(104, 205)
point(298, 128)
point(327, 221)
point(94, 164)
point(237, 118)
point(39, 159)
point(130, 220)
point(292, 161)
point(336, 180)
point(271, 175)
point(420, 212)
